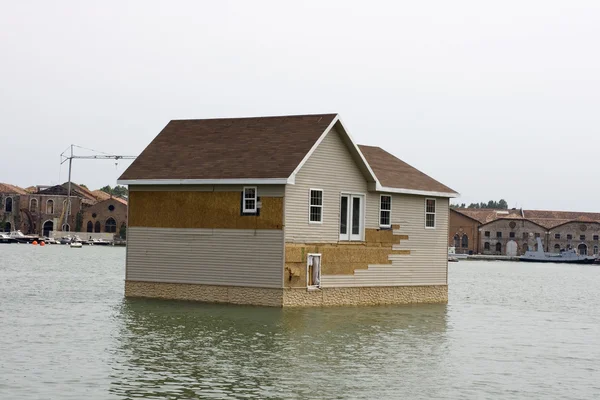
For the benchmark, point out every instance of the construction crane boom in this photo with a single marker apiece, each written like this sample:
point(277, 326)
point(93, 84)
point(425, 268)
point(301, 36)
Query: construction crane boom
point(70, 158)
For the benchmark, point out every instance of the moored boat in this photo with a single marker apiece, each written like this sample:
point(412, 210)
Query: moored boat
point(569, 256)
point(19, 237)
point(5, 238)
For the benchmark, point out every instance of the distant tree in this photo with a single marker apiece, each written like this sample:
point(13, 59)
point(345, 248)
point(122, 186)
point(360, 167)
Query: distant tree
point(119, 191)
point(123, 232)
point(497, 205)
point(78, 221)
point(462, 205)
point(83, 186)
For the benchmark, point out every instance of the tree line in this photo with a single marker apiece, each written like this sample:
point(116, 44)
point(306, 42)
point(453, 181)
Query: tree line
point(497, 205)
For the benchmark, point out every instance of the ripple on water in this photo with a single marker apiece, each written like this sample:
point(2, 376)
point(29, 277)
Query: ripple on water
point(509, 331)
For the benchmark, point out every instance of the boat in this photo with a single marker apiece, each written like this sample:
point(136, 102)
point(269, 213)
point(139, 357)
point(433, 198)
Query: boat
point(100, 242)
point(569, 256)
point(5, 238)
point(19, 237)
point(76, 245)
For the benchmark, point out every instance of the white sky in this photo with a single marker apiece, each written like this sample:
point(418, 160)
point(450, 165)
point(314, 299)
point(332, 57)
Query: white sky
point(494, 100)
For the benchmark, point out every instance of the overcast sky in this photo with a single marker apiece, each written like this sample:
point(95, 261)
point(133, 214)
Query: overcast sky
point(496, 100)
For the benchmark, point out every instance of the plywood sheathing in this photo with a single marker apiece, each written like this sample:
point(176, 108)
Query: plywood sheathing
point(342, 258)
point(209, 210)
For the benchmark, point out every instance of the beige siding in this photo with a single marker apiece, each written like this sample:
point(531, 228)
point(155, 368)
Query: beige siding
point(263, 190)
point(428, 259)
point(206, 256)
point(332, 169)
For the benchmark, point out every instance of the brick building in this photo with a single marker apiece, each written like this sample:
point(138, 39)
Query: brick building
point(41, 210)
point(512, 232)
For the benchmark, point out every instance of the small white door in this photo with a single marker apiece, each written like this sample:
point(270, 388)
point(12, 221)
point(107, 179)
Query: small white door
point(313, 270)
point(511, 248)
point(351, 217)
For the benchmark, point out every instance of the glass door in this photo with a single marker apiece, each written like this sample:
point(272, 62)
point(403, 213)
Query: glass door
point(356, 212)
point(351, 217)
point(344, 217)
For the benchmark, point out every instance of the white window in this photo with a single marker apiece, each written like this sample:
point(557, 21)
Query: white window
point(250, 199)
point(429, 213)
point(315, 211)
point(385, 211)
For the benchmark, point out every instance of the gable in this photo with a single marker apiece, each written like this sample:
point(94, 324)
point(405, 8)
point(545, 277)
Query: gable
point(331, 168)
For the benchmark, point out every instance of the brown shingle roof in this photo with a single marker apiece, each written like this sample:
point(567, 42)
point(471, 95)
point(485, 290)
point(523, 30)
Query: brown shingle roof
point(231, 148)
point(395, 173)
point(8, 188)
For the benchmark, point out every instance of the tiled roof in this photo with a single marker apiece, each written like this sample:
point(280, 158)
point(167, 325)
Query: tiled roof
point(484, 215)
point(8, 188)
point(78, 188)
point(395, 173)
point(229, 148)
point(102, 196)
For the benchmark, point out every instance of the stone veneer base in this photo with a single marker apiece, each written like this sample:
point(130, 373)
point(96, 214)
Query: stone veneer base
point(300, 297)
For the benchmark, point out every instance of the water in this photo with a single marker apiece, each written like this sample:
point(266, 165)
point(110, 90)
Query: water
point(510, 331)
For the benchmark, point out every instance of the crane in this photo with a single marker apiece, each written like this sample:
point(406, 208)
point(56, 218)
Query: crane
point(70, 157)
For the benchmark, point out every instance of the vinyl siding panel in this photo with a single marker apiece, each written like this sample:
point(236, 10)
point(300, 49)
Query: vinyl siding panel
point(331, 168)
point(428, 260)
point(206, 256)
point(262, 190)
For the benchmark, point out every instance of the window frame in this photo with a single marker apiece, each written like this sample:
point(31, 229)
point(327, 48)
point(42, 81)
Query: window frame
point(512, 235)
point(6, 204)
point(498, 235)
point(48, 211)
point(36, 205)
point(569, 236)
point(321, 206)
point(381, 196)
point(582, 238)
point(255, 198)
point(432, 213)
point(557, 236)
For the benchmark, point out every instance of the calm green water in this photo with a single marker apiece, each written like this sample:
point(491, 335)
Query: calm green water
point(510, 331)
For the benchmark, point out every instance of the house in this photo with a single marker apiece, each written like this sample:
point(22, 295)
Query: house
point(282, 211)
point(513, 232)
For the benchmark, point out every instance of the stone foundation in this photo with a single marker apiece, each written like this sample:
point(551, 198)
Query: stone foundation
point(205, 293)
point(365, 296)
point(297, 297)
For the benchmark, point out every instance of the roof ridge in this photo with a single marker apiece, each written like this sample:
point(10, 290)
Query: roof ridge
point(255, 117)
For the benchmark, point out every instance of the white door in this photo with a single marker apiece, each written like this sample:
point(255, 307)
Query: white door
point(351, 217)
point(511, 248)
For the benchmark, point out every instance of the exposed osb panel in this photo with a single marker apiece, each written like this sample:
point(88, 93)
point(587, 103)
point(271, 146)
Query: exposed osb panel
point(365, 296)
point(341, 258)
point(211, 210)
